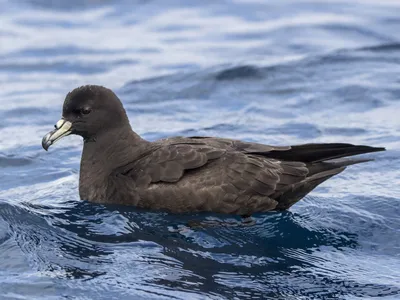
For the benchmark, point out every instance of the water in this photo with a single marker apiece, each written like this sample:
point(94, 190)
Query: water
point(281, 72)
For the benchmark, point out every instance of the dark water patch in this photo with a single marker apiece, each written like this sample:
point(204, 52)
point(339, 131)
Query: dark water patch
point(388, 47)
point(360, 94)
point(241, 72)
point(339, 59)
point(246, 36)
point(359, 30)
point(12, 161)
point(222, 127)
point(177, 28)
point(188, 85)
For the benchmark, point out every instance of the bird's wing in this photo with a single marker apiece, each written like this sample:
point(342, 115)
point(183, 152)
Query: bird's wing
point(169, 162)
point(240, 182)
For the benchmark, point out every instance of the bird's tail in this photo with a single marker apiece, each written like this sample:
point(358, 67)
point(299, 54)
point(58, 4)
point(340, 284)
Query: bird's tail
point(318, 173)
point(313, 153)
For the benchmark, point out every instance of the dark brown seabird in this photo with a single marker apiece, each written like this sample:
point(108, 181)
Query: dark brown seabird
point(188, 174)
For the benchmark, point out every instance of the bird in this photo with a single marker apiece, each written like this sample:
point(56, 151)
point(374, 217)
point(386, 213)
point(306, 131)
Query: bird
point(189, 174)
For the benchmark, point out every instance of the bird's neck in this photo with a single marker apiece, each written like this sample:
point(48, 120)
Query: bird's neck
point(105, 153)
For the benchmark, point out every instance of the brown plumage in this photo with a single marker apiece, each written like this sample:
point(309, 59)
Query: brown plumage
point(188, 174)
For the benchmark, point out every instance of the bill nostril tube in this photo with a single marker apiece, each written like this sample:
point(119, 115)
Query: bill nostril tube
point(59, 124)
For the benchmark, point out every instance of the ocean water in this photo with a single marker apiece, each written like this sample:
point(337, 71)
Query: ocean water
point(275, 72)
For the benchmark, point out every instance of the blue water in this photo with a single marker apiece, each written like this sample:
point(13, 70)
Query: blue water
point(275, 72)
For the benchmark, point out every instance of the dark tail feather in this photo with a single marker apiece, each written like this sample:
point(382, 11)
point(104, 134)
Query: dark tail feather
point(318, 173)
point(312, 153)
point(323, 166)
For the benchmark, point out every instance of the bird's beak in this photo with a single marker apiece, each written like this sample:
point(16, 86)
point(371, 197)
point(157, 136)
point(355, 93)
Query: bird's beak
point(63, 128)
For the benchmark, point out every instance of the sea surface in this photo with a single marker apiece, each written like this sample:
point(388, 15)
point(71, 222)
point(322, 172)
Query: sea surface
point(275, 72)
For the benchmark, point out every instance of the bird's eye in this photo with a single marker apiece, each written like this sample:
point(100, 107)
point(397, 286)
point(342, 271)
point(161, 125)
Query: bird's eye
point(85, 110)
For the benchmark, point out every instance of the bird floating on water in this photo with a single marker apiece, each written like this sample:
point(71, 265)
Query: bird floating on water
point(188, 174)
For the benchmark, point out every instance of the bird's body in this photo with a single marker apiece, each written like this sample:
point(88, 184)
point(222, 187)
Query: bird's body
point(191, 174)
